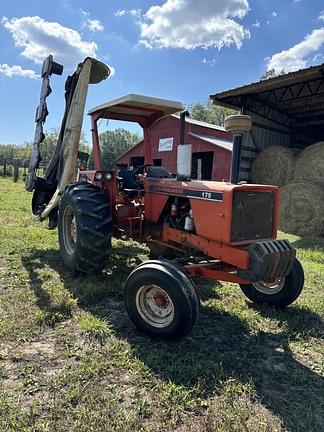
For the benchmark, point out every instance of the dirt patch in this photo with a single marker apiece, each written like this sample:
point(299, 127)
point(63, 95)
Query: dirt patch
point(40, 358)
point(274, 357)
point(311, 359)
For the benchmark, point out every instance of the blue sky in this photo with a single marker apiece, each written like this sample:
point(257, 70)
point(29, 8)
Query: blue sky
point(183, 50)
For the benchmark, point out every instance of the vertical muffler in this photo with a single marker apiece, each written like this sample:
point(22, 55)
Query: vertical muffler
point(238, 124)
point(184, 152)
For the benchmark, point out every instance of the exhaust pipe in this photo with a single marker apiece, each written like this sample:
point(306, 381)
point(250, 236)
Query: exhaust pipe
point(184, 152)
point(238, 124)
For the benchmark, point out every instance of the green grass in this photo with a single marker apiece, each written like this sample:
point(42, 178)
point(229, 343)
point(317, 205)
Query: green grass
point(70, 359)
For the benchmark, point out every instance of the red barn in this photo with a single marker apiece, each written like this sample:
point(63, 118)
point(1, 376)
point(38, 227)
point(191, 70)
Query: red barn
point(211, 148)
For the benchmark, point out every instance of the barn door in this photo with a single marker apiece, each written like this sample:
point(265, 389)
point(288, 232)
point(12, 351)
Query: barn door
point(202, 165)
point(136, 161)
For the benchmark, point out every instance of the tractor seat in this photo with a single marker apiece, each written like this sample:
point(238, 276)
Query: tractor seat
point(128, 184)
point(157, 172)
point(126, 177)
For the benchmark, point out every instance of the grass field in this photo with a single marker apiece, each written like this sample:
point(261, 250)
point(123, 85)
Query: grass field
point(70, 360)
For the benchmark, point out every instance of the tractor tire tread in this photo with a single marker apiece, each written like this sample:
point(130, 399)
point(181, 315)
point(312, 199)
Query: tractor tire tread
point(179, 287)
point(93, 224)
point(292, 288)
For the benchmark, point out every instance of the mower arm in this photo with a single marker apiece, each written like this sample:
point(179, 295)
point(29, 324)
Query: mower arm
point(61, 169)
point(90, 71)
point(49, 67)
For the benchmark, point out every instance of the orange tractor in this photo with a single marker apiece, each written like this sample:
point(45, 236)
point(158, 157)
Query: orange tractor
point(224, 231)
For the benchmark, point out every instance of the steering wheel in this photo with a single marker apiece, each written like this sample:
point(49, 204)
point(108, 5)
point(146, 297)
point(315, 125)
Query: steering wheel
point(139, 169)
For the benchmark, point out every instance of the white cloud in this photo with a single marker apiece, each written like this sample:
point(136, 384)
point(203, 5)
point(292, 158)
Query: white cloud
point(134, 12)
point(39, 38)
point(84, 13)
point(271, 16)
point(120, 12)
point(321, 16)
point(208, 62)
point(318, 58)
point(256, 24)
point(193, 24)
point(145, 44)
point(297, 57)
point(16, 70)
point(94, 25)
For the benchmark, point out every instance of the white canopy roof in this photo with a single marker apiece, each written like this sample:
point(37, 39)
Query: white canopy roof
point(138, 105)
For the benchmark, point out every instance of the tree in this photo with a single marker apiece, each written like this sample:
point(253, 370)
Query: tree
point(207, 112)
point(271, 73)
point(113, 144)
point(47, 147)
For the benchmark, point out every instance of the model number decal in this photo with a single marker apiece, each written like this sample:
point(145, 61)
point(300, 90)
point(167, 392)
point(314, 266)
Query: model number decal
point(215, 196)
point(207, 195)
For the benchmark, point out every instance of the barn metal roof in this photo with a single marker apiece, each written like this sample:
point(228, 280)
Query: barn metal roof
point(227, 145)
point(132, 107)
point(201, 123)
point(294, 100)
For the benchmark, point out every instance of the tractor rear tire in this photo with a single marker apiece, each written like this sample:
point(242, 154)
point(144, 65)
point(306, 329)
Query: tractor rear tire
point(84, 228)
point(281, 292)
point(161, 300)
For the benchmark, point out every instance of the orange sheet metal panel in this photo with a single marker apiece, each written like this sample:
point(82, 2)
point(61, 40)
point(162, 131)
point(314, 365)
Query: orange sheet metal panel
point(211, 204)
point(211, 271)
point(231, 255)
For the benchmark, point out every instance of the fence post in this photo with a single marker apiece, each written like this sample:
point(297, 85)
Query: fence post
point(15, 170)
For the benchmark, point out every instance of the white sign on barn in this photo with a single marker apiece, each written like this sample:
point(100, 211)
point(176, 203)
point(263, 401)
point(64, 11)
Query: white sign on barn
point(165, 144)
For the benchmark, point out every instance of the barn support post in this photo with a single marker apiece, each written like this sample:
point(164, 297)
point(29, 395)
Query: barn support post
point(96, 145)
point(147, 146)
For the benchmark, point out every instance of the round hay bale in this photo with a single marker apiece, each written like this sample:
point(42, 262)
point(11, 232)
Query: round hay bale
point(310, 163)
point(302, 209)
point(275, 165)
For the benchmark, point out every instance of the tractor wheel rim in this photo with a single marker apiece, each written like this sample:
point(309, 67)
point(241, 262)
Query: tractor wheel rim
point(270, 287)
point(69, 230)
point(155, 306)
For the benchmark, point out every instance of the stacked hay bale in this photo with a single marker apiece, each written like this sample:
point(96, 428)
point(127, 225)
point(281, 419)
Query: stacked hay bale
point(302, 202)
point(310, 163)
point(302, 208)
point(275, 165)
point(301, 179)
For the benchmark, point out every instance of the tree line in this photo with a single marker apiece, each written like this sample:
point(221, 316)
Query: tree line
point(113, 143)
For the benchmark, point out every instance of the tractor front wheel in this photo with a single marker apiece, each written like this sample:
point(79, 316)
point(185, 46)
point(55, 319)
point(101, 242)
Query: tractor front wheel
point(279, 292)
point(84, 228)
point(161, 300)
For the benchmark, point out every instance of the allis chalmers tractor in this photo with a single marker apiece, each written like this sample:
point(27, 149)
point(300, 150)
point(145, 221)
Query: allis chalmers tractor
point(224, 231)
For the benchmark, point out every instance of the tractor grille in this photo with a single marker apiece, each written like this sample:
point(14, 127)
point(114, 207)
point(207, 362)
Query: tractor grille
point(252, 215)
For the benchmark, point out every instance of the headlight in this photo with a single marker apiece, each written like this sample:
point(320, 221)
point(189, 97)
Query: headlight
point(108, 176)
point(98, 175)
point(103, 175)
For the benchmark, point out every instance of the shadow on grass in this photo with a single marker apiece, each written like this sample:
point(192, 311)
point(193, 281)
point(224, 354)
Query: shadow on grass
point(309, 243)
point(221, 346)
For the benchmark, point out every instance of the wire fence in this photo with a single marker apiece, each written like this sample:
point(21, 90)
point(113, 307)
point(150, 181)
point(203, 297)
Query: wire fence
point(17, 169)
